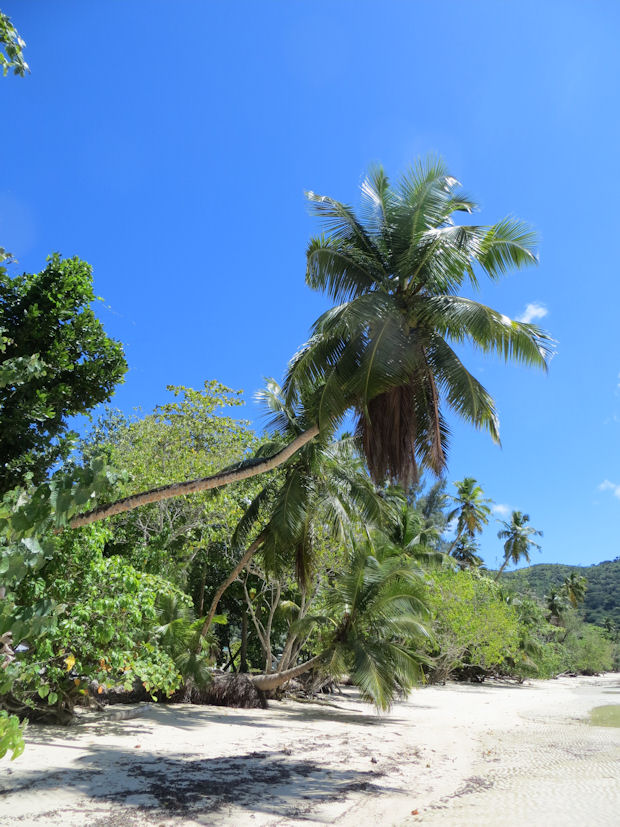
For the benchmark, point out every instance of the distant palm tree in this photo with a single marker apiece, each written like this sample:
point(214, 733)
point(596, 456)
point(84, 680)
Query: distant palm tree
point(575, 587)
point(465, 554)
point(432, 503)
point(471, 512)
point(386, 350)
point(556, 605)
point(518, 536)
point(407, 525)
point(373, 627)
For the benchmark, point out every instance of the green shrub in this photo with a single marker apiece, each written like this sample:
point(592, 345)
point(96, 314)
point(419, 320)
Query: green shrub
point(588, 650)
point(107, 630)
point(472, 625)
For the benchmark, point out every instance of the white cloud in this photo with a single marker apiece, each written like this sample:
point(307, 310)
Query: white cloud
point(501, 510)
point(606, 485)
point(532, 312)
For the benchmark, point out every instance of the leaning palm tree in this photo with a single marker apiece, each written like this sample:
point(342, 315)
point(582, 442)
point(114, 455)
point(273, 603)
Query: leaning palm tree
point(373, 628)
point(386, 350)
point(245, 469)
point(518, 535)
point(471, 512)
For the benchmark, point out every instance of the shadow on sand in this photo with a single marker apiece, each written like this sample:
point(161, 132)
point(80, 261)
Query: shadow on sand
point(272, 782)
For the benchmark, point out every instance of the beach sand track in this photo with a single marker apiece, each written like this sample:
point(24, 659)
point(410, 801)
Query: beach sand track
point(458, 755)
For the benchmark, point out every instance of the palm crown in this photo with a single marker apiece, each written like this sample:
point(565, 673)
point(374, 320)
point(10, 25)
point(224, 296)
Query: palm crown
point(518, 535)
point(386, 349)
point(472, 510)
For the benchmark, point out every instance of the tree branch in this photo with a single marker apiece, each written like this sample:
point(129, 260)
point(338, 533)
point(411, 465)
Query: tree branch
point(178, 489)
point(226, 583)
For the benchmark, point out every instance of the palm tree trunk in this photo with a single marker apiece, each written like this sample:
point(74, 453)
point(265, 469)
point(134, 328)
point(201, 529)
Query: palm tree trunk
point(178, 489)
point(502, 567)
point(226, 583)
point(276, 679)
point(275, 600)
point(243, 663)
point(202, 591)
point(291, 638)
point(286, 652)
point(456, 539)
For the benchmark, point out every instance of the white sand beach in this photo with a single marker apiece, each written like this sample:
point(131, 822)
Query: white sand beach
point(454, 755)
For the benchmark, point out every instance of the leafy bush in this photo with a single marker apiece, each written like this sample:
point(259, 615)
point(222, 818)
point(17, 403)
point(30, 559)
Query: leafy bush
point(588, 650)
point(472, 625)
point(107, 631)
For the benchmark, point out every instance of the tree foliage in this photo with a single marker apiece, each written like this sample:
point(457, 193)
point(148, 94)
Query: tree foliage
point(472, 625)
point(11, 48)
point(11, 735)
point(602, 597)
point(190, 436)
point(56, 361)
point(107, 628)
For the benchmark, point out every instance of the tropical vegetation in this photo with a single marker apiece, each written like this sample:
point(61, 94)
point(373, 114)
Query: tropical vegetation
point(293, 557)
point(601, 601)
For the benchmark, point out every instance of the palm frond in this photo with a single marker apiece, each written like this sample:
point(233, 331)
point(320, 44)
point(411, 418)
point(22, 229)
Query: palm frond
point(508, 244)
point(378, 203)
point(341, 270)
point(373, 672)
point(463, 392)
point(280, 416)
point(341, 223)
point(466, 320)
point(248, 523)
point(442, 257)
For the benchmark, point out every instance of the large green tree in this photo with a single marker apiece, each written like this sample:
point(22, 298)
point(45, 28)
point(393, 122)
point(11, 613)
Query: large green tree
point(56, 361)
point(387, 349)
point(190, 435)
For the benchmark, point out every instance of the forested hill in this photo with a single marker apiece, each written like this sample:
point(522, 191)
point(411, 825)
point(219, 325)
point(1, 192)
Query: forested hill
point(603, 594)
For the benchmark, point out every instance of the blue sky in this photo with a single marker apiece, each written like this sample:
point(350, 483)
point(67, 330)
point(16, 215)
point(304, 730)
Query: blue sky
point(170, 144)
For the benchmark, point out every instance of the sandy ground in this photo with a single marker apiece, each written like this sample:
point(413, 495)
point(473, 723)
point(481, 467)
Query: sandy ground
point(455, 755)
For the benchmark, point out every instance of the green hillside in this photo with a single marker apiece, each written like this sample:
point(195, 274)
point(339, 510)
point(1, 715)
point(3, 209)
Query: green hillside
point(603, 595)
